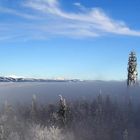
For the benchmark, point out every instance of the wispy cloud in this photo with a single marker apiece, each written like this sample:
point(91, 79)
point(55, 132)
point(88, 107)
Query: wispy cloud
point(80, 6)
point(54, 21)
point(17, 13)
point(92, 22)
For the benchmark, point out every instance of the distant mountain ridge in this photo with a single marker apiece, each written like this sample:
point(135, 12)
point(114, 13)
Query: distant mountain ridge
point(11, 79)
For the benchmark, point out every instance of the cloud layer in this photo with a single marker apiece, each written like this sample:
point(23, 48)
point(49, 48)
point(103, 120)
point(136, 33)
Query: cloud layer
point(49, 19)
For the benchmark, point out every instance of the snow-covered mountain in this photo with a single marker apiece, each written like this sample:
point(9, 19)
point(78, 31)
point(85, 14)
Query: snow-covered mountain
point(12, 79)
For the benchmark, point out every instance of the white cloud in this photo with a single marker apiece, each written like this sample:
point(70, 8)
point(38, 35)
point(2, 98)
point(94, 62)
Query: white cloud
point(77, 4)
point(17, 13)
point(54, 21)
point(92, 22)
point(80, 6)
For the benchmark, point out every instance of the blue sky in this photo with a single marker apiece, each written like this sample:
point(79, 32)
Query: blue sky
point(84, 39)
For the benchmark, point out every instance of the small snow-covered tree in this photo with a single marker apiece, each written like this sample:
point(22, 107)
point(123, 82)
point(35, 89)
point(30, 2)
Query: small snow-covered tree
point(13, 136)
point(34, 108)
point(38, 132)
point(62, 109)
point(125, 134)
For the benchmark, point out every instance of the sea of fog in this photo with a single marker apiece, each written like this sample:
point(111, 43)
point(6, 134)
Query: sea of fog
point(48, 92)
